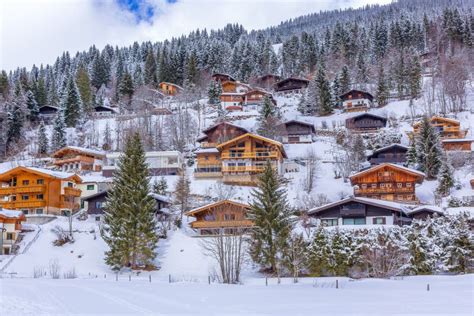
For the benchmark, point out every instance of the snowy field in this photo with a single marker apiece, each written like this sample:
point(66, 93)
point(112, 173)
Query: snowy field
point(448, 295)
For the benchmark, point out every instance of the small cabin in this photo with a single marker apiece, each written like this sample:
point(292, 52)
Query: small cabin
point(360, 211)
point(222, 77)
point(78, 159)
point(356, 100)
point(48, 112)
point(387, 181)
point(366, 123)
point(297, 132)
point(223, 217)
point(395, 153)
point(460, 144)
point(10, 221)
point(422, 212)
point(170, 89)
point(267, 82)
point(253, 99)
point(291, 85)
point(102, 110)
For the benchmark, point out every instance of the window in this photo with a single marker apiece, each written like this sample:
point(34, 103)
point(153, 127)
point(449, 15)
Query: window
point(39, 211)
point(388, 185)
point(25, 197)
point(25, 212)
point(13, 197)
point(9, 236)
point(70, 184)
point(97, 218)
point(39, 196)
point(399, 185)
point(378, 220)
point(382, 185)
point(25, 182)
point(209, 217)
point(374, 185)
point(408, 185)
point(229, 217)
point(14, 182)
point(400, 197)
point(40, 181)
point(90, 187)
point(353, 221)
point(98, 205)
point(329, 221)
point(364, 186)
point(206, 157)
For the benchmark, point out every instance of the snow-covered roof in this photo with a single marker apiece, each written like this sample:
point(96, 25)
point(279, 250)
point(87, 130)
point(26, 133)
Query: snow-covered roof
point(395, 166)
point(207, 206)
point(430, 208)
point(92, 152)
point(394, 206)
point(148, 154)
point(457, 140)
point(49, 172)
point(10, 213)
point(210, 150)
point(160, 197)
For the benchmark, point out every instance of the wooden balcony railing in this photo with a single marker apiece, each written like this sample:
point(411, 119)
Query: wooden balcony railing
point(383, 190)
point(77, 159)
point(243, 168)
point(72, 192)
point(22, 189)
point(252, 154)
point(22, 204)
point(222, 224)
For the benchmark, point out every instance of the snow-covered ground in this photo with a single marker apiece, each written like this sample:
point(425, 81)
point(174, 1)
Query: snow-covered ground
point(448, 295)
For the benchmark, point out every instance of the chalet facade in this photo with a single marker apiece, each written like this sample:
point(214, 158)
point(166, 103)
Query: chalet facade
point(10, 221)
point(222, 77)
point(170, 89)
point(253, 99)
point(91, 185)
point(297, 132)
point(78, 159)
point(360, 211)
point(291, 85)
point(451, 134)
point(159, 163)
point(244, 158)
point(422, 212)
point(356, 100)
point(233, 95)
point(267, 82)
point(387, 181)
point(395, 153)
point(223, 217)
point(39, 191)
point(209, 164)
point(366, 123)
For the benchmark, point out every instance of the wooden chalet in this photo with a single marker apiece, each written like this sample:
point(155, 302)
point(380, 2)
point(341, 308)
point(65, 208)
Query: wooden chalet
point(366, 123)
point(356, 100)
point(39, 191)
point(10, 221)
point(223, 217)
point(291, 85)
point(48, 112)
point(387, 181)
point(102, 110)
point(253, 99)
point(209, 164)
point(3, 134)
point(395, 153)
point(78, 159)
point(222, 77)
point(233, 95)
point(244, 157)
point(267, 82)
point(170, 89)
point(297, 132)
point(424, 211)
point(451, 134)
point(360, 211)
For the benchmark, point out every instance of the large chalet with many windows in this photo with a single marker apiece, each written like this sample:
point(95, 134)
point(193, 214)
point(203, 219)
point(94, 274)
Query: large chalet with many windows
point(387, 181)
point(39, 191)
point(244, 157)
point(223, 217)
point(78, 159)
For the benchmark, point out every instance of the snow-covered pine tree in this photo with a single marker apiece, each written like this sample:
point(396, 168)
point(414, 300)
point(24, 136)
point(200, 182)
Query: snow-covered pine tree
point(84, 86)
point(319, 252)
point(345, 79)
point(271, 214)
point(71, 103)
point(15, 117)
point(126, 88)
point(460, 251)
point(428, 149)
point(43, 143)
point(414, 84)
point(268, 119)
point(182, 193)
point(324, 99)
point(212, 93)
point(58, 137)
point(160, 187)
point(129, 223)
point(100, 73)
point(382, 92)
point(412, 157)
point(445, 178)
point(421, 259)
point(32, 106)
point(150, 69)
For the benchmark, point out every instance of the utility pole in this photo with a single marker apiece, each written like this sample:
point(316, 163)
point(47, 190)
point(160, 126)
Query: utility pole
point(2, 230)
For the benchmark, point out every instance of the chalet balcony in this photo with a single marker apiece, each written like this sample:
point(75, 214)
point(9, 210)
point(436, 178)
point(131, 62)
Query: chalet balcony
point(381, 160)
point(251, 155)
point(72, 192)
point(69, 205)
point(22, 189)
point(243, 169)
point(222, 224)
point(22, 204)
point(77, 159)
point(383, 190)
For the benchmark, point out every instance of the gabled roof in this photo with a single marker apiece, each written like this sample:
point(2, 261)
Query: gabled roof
point(213, 127)
point(49, 107)
point(358, 116)
point(42, 172)
point(103, 107)
point(161, 198)
point(222, 74)
point(93, 196)
point(87, 151)
point(172, 84)
point(420, 175)
point(292, 79)
point(7, 214)
point(426, 208)
point(393, 206)
point(300, 123)
point(439, 118)
point(370, 96)
point(206, 207)
point(264, 139)
point(268, 76)
point(381, 150)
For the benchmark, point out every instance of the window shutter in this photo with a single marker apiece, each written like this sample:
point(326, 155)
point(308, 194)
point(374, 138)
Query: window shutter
point(384, 220)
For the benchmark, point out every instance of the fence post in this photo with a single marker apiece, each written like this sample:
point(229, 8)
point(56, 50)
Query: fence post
point(209, 279)
point(116, 276)
point(337, 284)
point(266, 281)
point(105, 276)
point(169, 278)
point(428, 287)
point(149, 278)
point(129, 277)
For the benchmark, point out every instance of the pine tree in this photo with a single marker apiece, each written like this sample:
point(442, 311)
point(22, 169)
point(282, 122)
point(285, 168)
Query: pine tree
point(420, 261)
point(324, 100)
point(268, 119)
point(32, 106)
point(319, 252)
point(272, 217)
point(213, 93)
point(84, 86)
point(182, 192)
point(42, 140)
point(445, 178)
point(415, 77)
point(129, 223)
point(309, 101)
point(126, 85)
point(160, 187)
point(71, 103)
point(100, 73)
point(15, 121)
point(4, 84)
point(107, 144)
point(428, 149)
point(150, 69)
point(382, 93)
point(345, 80)
point(460, 251)
point(412, 157)
point(58, 137)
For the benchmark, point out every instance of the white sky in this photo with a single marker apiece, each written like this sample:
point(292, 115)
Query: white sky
point(37, 31)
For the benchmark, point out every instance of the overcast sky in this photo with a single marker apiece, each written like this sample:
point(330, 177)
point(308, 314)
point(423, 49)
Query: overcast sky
point(37, 31)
